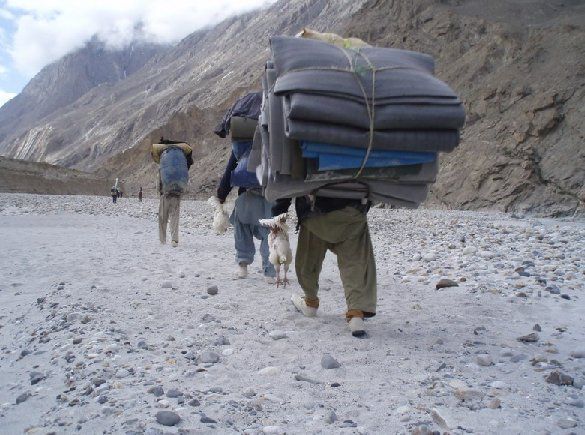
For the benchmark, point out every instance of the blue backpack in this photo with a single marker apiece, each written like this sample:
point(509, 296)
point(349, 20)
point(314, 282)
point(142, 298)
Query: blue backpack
point(174, 173)
point(241, 177)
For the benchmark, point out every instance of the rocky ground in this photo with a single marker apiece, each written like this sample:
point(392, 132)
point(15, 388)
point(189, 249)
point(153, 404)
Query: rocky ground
point(103, 330)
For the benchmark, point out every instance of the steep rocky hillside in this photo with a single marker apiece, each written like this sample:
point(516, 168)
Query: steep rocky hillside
point(203, 70)
point(32, 177)
point(60, 84)
point(519, 65)
point(520, 68)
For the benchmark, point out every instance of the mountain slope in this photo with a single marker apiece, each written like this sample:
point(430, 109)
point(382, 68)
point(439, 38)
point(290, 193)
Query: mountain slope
point(63, 82)
point(520, 67)
point(202, 70)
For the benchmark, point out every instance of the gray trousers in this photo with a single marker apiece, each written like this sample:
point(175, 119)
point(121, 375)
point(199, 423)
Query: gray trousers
point(249, 208)
point(168, 209)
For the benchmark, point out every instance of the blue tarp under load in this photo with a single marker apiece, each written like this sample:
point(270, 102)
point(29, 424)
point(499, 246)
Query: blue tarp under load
point(333, 157)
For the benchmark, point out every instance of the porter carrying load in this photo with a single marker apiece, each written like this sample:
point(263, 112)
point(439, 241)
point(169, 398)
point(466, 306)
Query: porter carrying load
point(174, 159)
point(352, 121)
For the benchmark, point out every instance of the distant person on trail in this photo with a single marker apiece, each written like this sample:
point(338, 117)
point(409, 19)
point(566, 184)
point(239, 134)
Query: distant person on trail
point(140, 194)
point(175, 159)
point(339, 225)
point(114, 192)
point(240, 122)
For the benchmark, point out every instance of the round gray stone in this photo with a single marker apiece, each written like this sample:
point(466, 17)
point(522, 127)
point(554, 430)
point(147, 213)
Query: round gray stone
point(167, 418)
point(328, 362)
point(173, 393)
point(209, 358)
point(157, 391)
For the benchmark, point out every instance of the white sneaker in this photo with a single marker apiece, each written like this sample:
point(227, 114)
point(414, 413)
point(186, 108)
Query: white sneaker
point(301, 305)
point(174, 243)
point(357, 327)
point(270, 280)
point(242, 271)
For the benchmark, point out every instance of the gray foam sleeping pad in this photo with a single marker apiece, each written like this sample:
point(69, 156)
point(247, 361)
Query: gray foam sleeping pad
point(325, 83)
point(390, 87)
point(293, 54)
point(280, 144)
point(412, 116)
point(399, 140)
point(283, 186)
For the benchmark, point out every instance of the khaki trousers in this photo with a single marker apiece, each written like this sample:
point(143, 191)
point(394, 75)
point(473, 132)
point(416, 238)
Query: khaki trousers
point(169, 209)
point(345, 232)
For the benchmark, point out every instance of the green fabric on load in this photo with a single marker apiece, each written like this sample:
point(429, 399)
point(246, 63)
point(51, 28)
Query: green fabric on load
point(345, 232)
point(242, 128)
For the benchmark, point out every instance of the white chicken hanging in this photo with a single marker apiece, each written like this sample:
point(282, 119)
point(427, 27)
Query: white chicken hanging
point(220, 216)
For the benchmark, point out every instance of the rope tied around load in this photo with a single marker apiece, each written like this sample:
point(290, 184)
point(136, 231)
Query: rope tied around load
point(370, 105)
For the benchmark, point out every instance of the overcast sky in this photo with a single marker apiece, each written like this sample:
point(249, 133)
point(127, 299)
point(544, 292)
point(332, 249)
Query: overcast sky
point(34, 33)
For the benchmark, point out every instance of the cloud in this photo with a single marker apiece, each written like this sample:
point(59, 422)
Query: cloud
point(48, 29)
point(7, 15)
point(5, 96)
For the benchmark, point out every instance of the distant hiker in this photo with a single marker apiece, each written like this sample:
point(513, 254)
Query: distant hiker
point(175, 159)
point(140, 194)
point(114, 193)
point(339, 225)
point(241, 121)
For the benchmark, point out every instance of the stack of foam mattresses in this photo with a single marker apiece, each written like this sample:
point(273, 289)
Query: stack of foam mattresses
point(352, 123)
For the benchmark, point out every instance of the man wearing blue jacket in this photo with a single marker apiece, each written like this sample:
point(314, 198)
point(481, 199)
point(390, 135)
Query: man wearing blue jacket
point(250, 206)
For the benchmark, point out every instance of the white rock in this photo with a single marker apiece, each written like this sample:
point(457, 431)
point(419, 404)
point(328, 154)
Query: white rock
point(273, 430)
point(484, 360)
point(269, 371)
point(567, 423)
point(443, 417)
point(163, 403)
point(277, 335)
point(430, 256)
point(122, 373)
point(499, 385)
point(227, 352)
point(457, 384)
